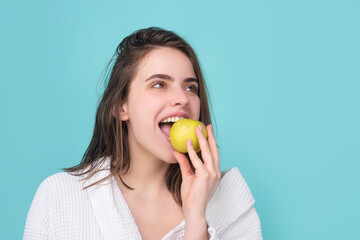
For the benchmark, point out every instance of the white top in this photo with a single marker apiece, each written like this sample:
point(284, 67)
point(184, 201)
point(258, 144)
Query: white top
point(62, 209)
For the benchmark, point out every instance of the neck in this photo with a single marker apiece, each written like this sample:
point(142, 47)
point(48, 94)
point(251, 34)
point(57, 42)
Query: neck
point(146, 175)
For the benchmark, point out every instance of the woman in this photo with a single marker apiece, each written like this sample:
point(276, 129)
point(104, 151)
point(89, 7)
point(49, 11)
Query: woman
point(131, 184)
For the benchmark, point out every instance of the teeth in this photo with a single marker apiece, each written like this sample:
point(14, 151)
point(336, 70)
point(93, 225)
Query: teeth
point(171, 119)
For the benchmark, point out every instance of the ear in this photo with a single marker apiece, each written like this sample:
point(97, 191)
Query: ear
point(122, 112)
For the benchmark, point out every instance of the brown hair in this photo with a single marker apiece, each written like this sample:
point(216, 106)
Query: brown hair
point(110, 134)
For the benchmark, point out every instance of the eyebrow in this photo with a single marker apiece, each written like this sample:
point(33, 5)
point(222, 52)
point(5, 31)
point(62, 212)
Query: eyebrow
point(169, 78)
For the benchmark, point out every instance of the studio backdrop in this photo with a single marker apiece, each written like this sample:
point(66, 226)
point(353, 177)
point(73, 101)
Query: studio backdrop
point(283, 78)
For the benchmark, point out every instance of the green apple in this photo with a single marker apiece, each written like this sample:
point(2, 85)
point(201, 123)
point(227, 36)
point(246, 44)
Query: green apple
point(183, 130)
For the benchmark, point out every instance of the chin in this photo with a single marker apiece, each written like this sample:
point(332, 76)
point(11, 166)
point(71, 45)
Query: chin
point(170, 159)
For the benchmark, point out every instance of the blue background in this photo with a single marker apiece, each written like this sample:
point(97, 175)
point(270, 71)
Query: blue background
point(284, 83)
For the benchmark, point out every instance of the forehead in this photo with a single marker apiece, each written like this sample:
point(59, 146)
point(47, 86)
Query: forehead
point(166, 60)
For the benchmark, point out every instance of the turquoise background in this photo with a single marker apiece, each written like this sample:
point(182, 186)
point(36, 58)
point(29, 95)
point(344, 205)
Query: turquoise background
point(284, 83)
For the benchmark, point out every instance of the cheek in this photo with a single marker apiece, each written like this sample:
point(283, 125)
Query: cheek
point(195, 108)
point(144, 112)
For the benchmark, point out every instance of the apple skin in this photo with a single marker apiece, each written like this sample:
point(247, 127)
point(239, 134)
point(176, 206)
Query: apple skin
point(183, 130)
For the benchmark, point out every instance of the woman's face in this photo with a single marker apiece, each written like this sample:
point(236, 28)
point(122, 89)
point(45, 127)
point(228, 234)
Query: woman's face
point(164, 86)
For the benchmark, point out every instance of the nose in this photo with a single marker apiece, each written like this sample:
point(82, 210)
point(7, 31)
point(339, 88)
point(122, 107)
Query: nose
point(179, 97)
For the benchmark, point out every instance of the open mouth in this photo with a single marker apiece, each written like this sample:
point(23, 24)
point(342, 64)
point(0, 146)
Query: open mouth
point(166, 124)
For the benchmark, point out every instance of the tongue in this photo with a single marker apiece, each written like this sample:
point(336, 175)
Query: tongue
point(165, 128)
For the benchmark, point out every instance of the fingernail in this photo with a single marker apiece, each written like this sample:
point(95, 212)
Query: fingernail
point(199, 127)
point(189, 141)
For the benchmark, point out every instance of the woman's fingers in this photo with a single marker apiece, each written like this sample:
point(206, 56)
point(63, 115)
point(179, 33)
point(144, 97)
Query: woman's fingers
point(205, 150)
point(213, 148)
point(209, 152)
point(184, 164)
point(197, 163)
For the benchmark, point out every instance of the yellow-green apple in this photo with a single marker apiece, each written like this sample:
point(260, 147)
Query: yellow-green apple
point(183, 130)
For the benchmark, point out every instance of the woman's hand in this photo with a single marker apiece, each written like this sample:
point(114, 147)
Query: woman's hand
point(197, 187)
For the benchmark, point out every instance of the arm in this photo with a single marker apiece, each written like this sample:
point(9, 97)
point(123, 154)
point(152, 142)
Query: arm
point(231, 209)
point(197, 187)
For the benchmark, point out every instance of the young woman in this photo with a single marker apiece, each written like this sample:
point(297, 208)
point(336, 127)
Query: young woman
point(131, 184)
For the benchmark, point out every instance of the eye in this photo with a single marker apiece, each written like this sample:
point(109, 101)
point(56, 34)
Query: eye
point(158, 85)
point(192, 88)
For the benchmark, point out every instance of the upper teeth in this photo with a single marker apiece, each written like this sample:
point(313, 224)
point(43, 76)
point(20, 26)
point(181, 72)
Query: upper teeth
point(171, 119)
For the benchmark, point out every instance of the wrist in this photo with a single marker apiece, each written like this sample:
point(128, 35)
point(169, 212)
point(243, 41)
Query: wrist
point(196, 228)
point(194, 214)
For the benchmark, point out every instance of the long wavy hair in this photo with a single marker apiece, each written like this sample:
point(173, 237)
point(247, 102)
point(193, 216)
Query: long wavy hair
point(110, 136)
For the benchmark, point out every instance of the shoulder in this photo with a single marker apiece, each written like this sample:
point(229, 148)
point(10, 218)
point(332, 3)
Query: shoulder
point(232, 180)
point(59, 185)
point(49, 196)
point(75, 182)
point(233, 186)
point(232, 172)
point(58, 195)
point(60, 180)
point(61, 206)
